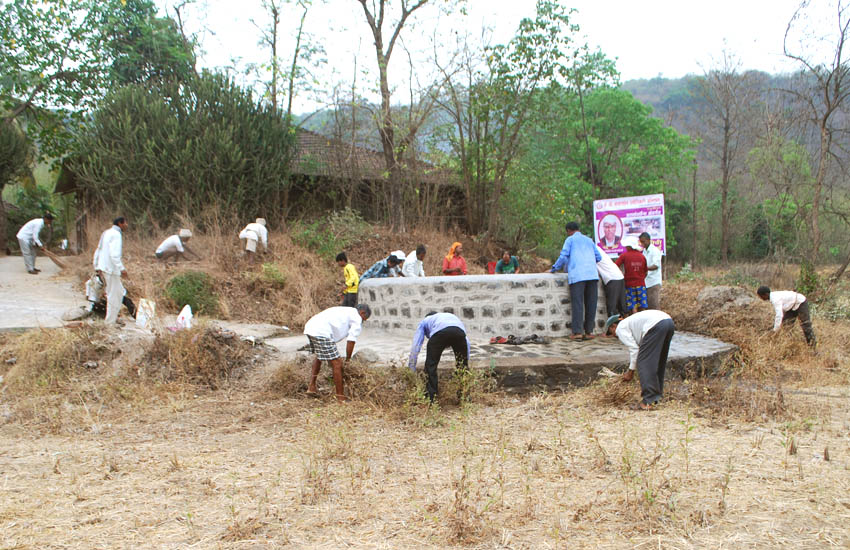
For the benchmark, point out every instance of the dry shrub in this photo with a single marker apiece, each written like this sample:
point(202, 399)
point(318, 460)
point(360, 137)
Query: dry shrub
point(202, 355)
point(48, 360)
point(612, 392)
point(383, 387)
point(290, 378)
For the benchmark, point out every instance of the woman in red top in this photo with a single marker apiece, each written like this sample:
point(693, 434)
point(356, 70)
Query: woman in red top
point(453, 263)
point(633, 263)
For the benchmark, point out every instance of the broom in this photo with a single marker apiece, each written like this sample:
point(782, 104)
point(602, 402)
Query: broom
point(54, 258)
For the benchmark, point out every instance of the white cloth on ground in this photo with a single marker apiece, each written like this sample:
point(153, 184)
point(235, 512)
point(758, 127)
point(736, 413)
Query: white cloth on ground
point(607, 269)
point(782, 301)
point(30, 230)
point(336, 323)
point(633, 328)
point(413, 266)
point(114, 296)
point(107, 257)
point(171, 243)
point(653, 257)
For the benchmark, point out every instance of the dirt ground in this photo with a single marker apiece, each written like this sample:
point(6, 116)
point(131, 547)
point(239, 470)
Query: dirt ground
point(243, 468)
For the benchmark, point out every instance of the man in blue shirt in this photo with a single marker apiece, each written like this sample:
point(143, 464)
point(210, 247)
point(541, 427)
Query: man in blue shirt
point(579, 256)
point(443, 330)
point(381, 269)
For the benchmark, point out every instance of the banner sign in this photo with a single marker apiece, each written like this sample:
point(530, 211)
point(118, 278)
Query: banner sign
point(628, 217)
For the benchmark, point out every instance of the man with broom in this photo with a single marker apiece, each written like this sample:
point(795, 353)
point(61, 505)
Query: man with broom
point(29, 242)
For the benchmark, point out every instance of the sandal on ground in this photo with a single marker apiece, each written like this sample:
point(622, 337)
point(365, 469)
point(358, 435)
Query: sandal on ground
point(577, 337)
point(587, 337)
point(641, 406)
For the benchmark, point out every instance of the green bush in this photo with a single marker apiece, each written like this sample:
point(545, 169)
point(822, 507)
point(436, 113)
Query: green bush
point(332, 233)
point(194, 288)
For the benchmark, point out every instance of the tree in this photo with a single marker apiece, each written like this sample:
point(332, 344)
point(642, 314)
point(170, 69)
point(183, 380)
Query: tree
point(393, 145)
point(186, 149)
point(631, 152)
point(822, 89)
point(491, 107)
point(144, 48)
point(15, 158)
point(727, 98)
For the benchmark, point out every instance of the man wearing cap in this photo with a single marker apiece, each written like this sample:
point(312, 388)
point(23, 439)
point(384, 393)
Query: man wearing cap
point(324, 330)
point(397, 270)
point(634, 267)
point(647, 334)
point(381, 268)
point(413, 264)
point(615, 285)
point(653, 274)
point(442, 330)
point(579, 256)
point(175, 247)
point(28, 240)
point(252, 234)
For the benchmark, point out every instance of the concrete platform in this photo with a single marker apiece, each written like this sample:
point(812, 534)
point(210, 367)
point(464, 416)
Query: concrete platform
point(29, 301)
point(558, 364)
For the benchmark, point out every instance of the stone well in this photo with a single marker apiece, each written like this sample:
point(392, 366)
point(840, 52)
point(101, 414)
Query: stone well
point(488, 305)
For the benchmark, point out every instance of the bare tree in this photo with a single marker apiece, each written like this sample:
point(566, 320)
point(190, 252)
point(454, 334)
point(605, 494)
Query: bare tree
point(394, 145)
point(822, 88)
point(727, 98)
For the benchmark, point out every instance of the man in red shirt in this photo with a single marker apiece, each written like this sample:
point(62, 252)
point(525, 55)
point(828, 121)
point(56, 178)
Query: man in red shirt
point(634, 267)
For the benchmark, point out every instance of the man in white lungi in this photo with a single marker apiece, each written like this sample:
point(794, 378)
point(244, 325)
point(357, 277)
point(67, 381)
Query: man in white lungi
point(252, 234)
point(108, 264)
point(29, 241)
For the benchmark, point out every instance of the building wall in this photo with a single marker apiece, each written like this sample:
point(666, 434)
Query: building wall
point(524, 304)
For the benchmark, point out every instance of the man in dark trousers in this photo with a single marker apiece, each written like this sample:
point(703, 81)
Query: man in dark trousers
point(647, 334)
point(442, 330)
point(579, 256)
point(789, 305)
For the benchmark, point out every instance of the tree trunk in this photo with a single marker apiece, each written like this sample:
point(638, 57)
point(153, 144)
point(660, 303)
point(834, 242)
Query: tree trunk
point(724, 197)
point(694, 208)
point(818, 191)
point(3, 222)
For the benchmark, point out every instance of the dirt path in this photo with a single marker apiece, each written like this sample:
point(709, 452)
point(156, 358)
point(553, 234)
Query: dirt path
point(28, 301)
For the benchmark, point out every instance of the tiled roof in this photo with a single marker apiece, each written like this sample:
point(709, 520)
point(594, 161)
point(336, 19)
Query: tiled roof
point(319, 155)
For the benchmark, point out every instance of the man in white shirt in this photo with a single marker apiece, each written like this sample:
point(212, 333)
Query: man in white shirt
point(653, 274)
point(108, 264)
point(788, 305)
point(28, 240)
point(615, 285)
point(175, 247)
point(413, 266)
point(252, 234)
point(324, 330)
point(647, 334)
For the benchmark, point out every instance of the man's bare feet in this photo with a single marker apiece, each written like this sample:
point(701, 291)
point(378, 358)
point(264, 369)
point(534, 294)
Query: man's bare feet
point(576, 337)
point(341, 398)
point(628, 376)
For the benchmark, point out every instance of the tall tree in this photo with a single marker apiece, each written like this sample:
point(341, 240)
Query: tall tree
point(727, 99)
point(822, 89)
point(394, 145)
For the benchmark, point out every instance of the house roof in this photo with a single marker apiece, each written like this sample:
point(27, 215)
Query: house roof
point(318, 155)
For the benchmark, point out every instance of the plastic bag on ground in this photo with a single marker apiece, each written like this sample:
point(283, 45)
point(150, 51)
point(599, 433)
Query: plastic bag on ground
point(146, 313)
point(184, 320)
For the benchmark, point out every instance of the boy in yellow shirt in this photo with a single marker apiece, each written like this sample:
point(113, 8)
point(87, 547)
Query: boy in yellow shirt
point(349, 293)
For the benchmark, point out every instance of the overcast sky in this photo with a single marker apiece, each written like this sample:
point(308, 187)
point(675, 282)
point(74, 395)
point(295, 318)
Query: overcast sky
point(669, 38)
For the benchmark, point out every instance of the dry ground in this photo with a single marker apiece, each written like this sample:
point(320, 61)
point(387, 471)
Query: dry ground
point(240, 468)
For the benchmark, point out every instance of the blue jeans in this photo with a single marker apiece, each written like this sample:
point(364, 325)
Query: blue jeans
point(583, 296)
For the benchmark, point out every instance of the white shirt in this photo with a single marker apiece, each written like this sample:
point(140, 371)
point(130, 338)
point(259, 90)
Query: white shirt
point(335, 323)
point(107, 257)
point(259, 230)
point(653, 257)
point(633, 328)
point(171, 243)
point(607, 269)
point(413, 266)
point(29, 232)
point(782, 301)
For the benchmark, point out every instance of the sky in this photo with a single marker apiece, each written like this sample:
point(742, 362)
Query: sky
point(668, 38)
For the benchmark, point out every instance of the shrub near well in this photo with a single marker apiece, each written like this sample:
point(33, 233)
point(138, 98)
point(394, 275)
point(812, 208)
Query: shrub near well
point(194, 288)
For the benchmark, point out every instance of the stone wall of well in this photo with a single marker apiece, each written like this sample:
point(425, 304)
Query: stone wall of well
point(524, 304)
